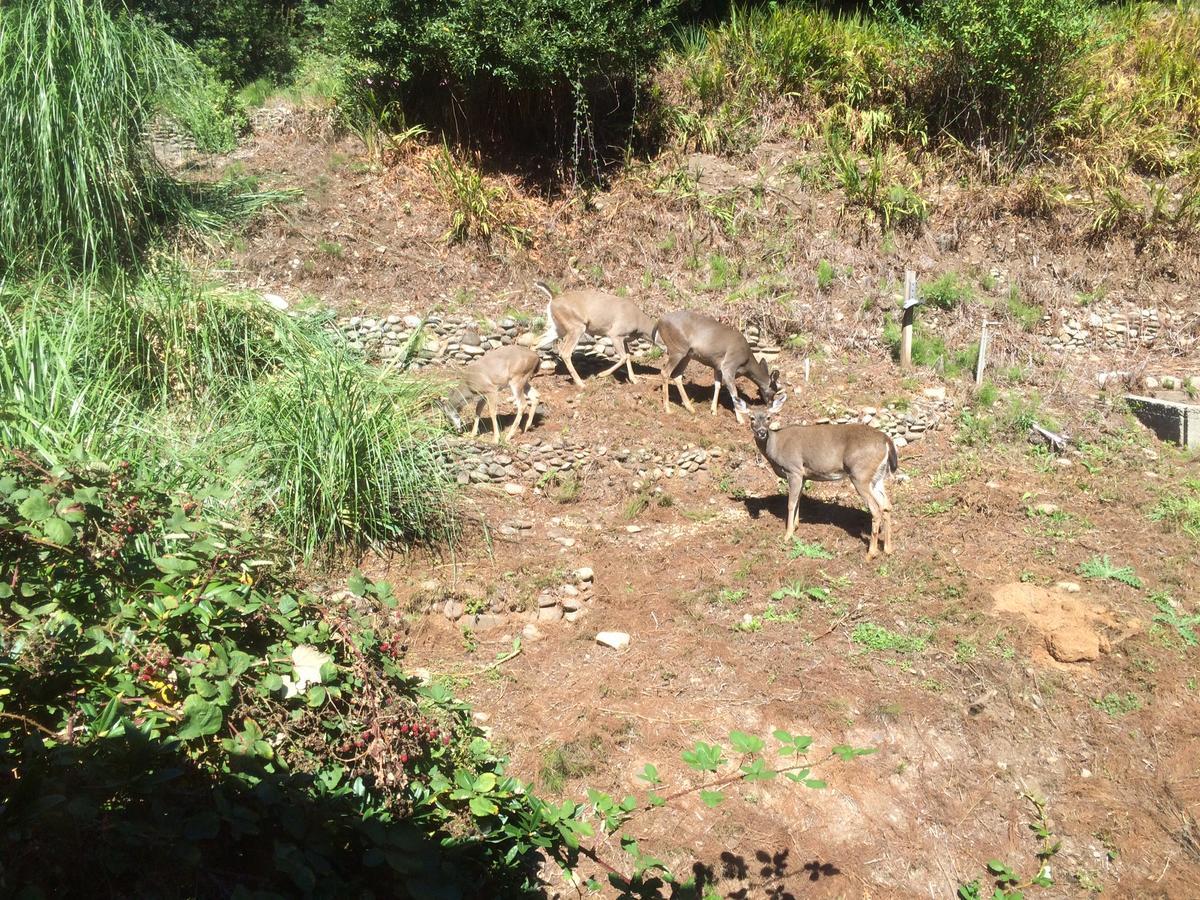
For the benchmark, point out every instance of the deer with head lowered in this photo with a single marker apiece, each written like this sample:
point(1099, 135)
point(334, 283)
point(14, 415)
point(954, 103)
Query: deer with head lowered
point(863, 454)
point(688, 335)
point(481, 382)
point(571, 314)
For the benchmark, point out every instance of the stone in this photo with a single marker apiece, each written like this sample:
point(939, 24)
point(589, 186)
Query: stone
point(569, 590)
point(1046, 509)
point(1068, 587)
point(549, 613)
point(573, 615)
point(485, 621)
point(617, 640)
point(547, 599)
point(633, 529)
point(584, 574)
point(571, 604)
point(566, 541)
point(412, 321)
point(454, 609)
point(430, 585)
point(514, 489)
point(275, 301)
point(935, 393)
point(1073, 643)
point(531, 633)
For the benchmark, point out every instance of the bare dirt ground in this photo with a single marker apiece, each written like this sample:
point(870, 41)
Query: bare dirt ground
point(966, 720)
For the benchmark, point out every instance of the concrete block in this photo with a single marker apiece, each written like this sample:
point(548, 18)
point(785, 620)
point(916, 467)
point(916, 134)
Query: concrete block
point(1172, 421)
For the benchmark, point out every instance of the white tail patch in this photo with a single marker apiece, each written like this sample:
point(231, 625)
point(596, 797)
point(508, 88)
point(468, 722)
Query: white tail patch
point(551, 334)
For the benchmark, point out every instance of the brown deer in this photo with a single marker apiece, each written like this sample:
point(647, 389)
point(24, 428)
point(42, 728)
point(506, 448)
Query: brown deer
point(688, 335)
point(571, 314)
point(481, 382)
point(863, 454)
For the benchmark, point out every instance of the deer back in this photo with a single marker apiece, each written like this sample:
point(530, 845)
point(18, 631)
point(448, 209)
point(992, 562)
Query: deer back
point(827, 451)
point(601, 313)
point(500, 367)
point(708, 340)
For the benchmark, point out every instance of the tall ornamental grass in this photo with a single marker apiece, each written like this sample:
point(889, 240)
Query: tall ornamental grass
point(201, 387)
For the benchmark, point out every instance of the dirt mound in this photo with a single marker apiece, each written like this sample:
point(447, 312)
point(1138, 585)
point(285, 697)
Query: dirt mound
point(1072, 628)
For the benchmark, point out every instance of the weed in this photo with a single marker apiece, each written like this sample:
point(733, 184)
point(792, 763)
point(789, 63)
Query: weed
point(876, 637)
point(1027, 315)
point(1008, 884)
point(574, 759)
point(948, 292)
point(796, 590)
point(946, 478)
point(636, 506)
point(808, 551)
point(330, 248)
point(562, 487)
point(470, 642)
point(1116, 705)
point(825, 275)
point(937, 507)
point(1102, 568)
point(1170, 613)
point(730, 596)
point(965, 650)
point(477, 210)
point(1180, 511)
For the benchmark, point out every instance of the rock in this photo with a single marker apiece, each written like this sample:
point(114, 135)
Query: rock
point(571, 604)
point(1067, 587)
point(485, 621)
point(430, 585)
point(1046, 509)
point(453, 609)
point(514, 489)
point(573, 615)
point(275, 301)
point(412, 321)
point(633, 529)
point(550, 613)
point(569, 590)
point(584, 574)
point(566, 541)
point(1073, 643)
point(617, 640)
point(531, 633)
point(935, 393)
point(547, 599)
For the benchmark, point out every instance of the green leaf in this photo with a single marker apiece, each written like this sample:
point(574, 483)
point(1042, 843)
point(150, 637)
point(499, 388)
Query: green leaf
point(656, 799)
point(58, 532)
point(745, 743)
point(175, 565)
point(712, 799)
point(199, 718)
point(34, 508)
point(316, 695)
point(485, 782)
point(650, 774)
point(814, 783)
point(847, 753)
point(5, 591)
point(482, 806)
point(357, 584)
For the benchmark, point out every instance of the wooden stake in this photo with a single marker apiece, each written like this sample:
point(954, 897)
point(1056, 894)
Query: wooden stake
point(981, 363)
point(910, 314)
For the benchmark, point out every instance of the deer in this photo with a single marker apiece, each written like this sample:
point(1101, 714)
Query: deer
point(482, 381)
point(687, 336)
point(863, 454)
point(572, 313)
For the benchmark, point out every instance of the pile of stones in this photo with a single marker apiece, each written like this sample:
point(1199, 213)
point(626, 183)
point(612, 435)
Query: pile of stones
point(568, 601)
point(485, 463)
point(904, 426)
point(1110, 329)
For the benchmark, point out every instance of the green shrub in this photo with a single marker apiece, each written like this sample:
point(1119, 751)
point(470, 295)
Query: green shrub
point(1001, 71)
point(1027, 315)
point(525, 69)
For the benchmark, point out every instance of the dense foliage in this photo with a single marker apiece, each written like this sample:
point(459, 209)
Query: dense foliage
point(527, 69)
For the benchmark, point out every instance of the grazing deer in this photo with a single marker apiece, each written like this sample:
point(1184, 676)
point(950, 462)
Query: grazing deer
point(571, 314)
point(829, 453)
point(481, 382)
point(688, 335)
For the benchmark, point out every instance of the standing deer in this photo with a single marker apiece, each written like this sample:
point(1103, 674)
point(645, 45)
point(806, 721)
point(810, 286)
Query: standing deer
point(688, 335)
point(829, 453)
point(482, 380)
point(571, 314)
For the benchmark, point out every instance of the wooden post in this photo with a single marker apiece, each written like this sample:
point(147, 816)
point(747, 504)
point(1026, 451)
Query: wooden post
point(910, 313)
point(981, 362)
point(806, 370)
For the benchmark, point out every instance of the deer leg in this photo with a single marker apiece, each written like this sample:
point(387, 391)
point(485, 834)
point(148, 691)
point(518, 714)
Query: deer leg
point(795, 492)
point(566, 350)
point(716, 393)
point(730, 381)
point(633, 379)
point(674, 369)
point(519, 402)
point(533, 402)
point(492, 403)
point(885, 510)
point(622, 356)
point(687, 401)
point(864, 491)
point(479, 404)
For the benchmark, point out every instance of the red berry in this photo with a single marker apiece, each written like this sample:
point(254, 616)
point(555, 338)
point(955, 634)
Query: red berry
point(404, 759)
point(446, 740)
point(404, 729)
point(360, 743)
point(133, 666)
point(433, 732)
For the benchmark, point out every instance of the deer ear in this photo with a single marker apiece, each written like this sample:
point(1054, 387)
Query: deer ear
point(778, 404)
point(775, 379)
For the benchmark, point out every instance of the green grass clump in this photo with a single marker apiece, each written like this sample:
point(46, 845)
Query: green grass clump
point(1180, 511)
point(876, 637)
point(1172, 615)
point(1101, 568)
point(948, 291)
point(825, 275)
point(1117, 705)
point(803, 549)
point(1027, 315)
